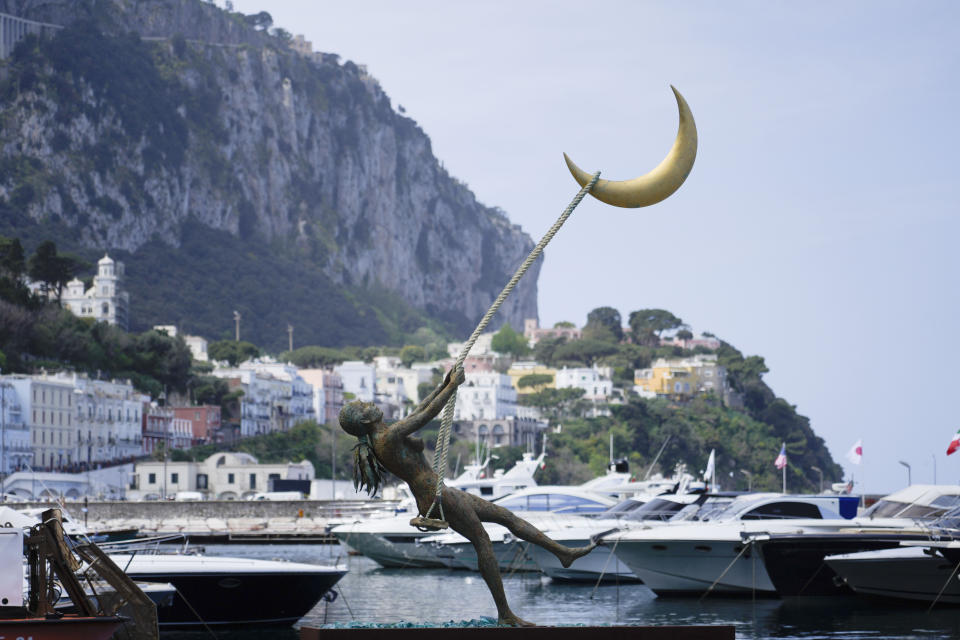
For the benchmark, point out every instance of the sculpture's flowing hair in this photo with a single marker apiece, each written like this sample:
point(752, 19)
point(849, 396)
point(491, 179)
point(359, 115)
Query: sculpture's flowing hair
point(367, 470)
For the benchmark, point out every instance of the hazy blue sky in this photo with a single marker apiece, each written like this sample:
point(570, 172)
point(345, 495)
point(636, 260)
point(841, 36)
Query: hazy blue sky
point(817, 229)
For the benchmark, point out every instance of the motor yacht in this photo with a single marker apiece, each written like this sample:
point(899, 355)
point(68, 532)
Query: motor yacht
point(215, 591)
point(721, 556)
point(913, 570)
point(601, 564)
point(795, 563)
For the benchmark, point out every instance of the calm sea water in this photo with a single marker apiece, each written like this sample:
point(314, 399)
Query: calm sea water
point(371, 594)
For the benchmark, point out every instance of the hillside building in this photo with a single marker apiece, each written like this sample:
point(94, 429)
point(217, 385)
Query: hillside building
point(327, 394)
point(526, 368)
point(534, 333)
point(105, 301)
point(484, 396)
point(682, 377)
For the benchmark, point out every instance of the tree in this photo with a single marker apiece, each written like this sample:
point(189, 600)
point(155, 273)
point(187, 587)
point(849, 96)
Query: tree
point(313, 357)
point(545, 348)
point(603, 323)
point(585, 352)
point(646, 325)
point(509, 341)
point(685, 334)
point(411, 353)
point(259, 21)
point(534, 380)
point(49, 269)
point(564, 324)
point(555, 403)
point(232, 351)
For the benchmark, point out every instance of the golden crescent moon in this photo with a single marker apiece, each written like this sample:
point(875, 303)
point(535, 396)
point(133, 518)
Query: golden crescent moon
point(659, 183)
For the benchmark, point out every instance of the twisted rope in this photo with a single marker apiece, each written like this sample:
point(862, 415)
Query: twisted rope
point(443, 437)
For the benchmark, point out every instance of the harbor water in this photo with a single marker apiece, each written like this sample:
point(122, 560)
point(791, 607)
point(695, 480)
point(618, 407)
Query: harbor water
point(369, 593)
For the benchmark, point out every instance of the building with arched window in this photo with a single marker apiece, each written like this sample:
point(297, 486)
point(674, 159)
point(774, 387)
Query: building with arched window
point(105, 300)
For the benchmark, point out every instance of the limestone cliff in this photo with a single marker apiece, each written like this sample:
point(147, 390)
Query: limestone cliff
point(138, 118)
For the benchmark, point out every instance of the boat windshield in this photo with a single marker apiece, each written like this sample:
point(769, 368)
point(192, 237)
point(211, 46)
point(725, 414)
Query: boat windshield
point(897, 509)
point(948, 522)
point(656, 509)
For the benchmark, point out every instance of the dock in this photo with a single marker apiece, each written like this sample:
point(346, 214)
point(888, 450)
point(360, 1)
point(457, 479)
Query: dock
point(665, 632)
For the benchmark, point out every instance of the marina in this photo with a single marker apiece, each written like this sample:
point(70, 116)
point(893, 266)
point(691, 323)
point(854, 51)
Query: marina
point(371, 594)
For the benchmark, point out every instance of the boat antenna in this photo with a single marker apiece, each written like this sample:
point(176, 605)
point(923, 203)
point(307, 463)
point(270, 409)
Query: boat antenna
point(646, 476)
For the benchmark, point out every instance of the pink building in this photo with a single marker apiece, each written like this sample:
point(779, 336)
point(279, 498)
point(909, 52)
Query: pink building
point(534, 333)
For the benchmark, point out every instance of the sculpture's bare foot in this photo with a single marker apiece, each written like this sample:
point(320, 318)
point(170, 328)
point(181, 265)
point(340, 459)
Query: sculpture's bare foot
point(577, 552)
point(511, 620)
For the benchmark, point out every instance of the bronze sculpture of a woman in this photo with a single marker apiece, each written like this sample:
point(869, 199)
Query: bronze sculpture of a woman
point(396, 449)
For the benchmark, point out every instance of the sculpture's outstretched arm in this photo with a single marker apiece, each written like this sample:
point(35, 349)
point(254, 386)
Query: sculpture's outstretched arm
point(417, 419)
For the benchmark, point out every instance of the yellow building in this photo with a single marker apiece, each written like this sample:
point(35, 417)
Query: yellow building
point(520, 369)
point(681, 376)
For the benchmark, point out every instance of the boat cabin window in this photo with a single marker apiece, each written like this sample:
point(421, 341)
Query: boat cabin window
point(774, 510)
point(656, 509)
point(626, 506)
point(552, 502)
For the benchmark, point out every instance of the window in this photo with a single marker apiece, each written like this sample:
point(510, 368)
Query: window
point(229, 478)
point(174, 478)
point(151, 478)
point(202, 481)
point(253, 481)
point(779, 510)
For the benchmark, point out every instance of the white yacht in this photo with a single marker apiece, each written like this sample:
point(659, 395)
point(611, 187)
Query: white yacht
point(601, 564)
point(691, 559)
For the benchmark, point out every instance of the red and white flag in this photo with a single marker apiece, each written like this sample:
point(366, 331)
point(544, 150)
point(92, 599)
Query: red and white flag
point(955, 443)
point(856, 452)
point(781, 460)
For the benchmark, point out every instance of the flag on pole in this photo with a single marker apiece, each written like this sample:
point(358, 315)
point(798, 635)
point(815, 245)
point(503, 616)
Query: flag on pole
point(711, 465)
point(856, 452)
point(955, 443)
point(781, 460)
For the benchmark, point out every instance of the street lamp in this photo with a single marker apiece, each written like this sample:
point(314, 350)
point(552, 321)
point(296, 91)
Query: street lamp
point(907, 465)
point(749, 479)
point(817, 469)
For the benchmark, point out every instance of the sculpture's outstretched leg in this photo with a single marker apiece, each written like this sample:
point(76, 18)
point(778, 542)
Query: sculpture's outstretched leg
point(489, 512)
point(463, 519)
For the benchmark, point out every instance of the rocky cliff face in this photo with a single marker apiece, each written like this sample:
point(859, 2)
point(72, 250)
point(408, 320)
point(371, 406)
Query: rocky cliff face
point(138, 117)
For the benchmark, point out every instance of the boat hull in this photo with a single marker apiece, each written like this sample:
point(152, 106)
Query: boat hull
point(600, 564)
point(228, 599)
point(902, 574)
point(691, 567)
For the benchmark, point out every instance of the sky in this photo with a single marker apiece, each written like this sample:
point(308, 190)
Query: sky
point(817, 228)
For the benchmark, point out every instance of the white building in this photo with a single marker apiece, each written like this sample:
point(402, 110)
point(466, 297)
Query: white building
point(48, 408)
point(275, 396)
point(109, 420)
point(196, 344)
point(105, 301)
point(359, 379)
point(222, 476)
point(486, 395)
point(74, 420)
point(596, 382)
point(15, 450)
point(481, 347)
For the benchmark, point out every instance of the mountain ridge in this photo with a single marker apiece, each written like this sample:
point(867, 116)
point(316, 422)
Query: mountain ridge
point(137, 117)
